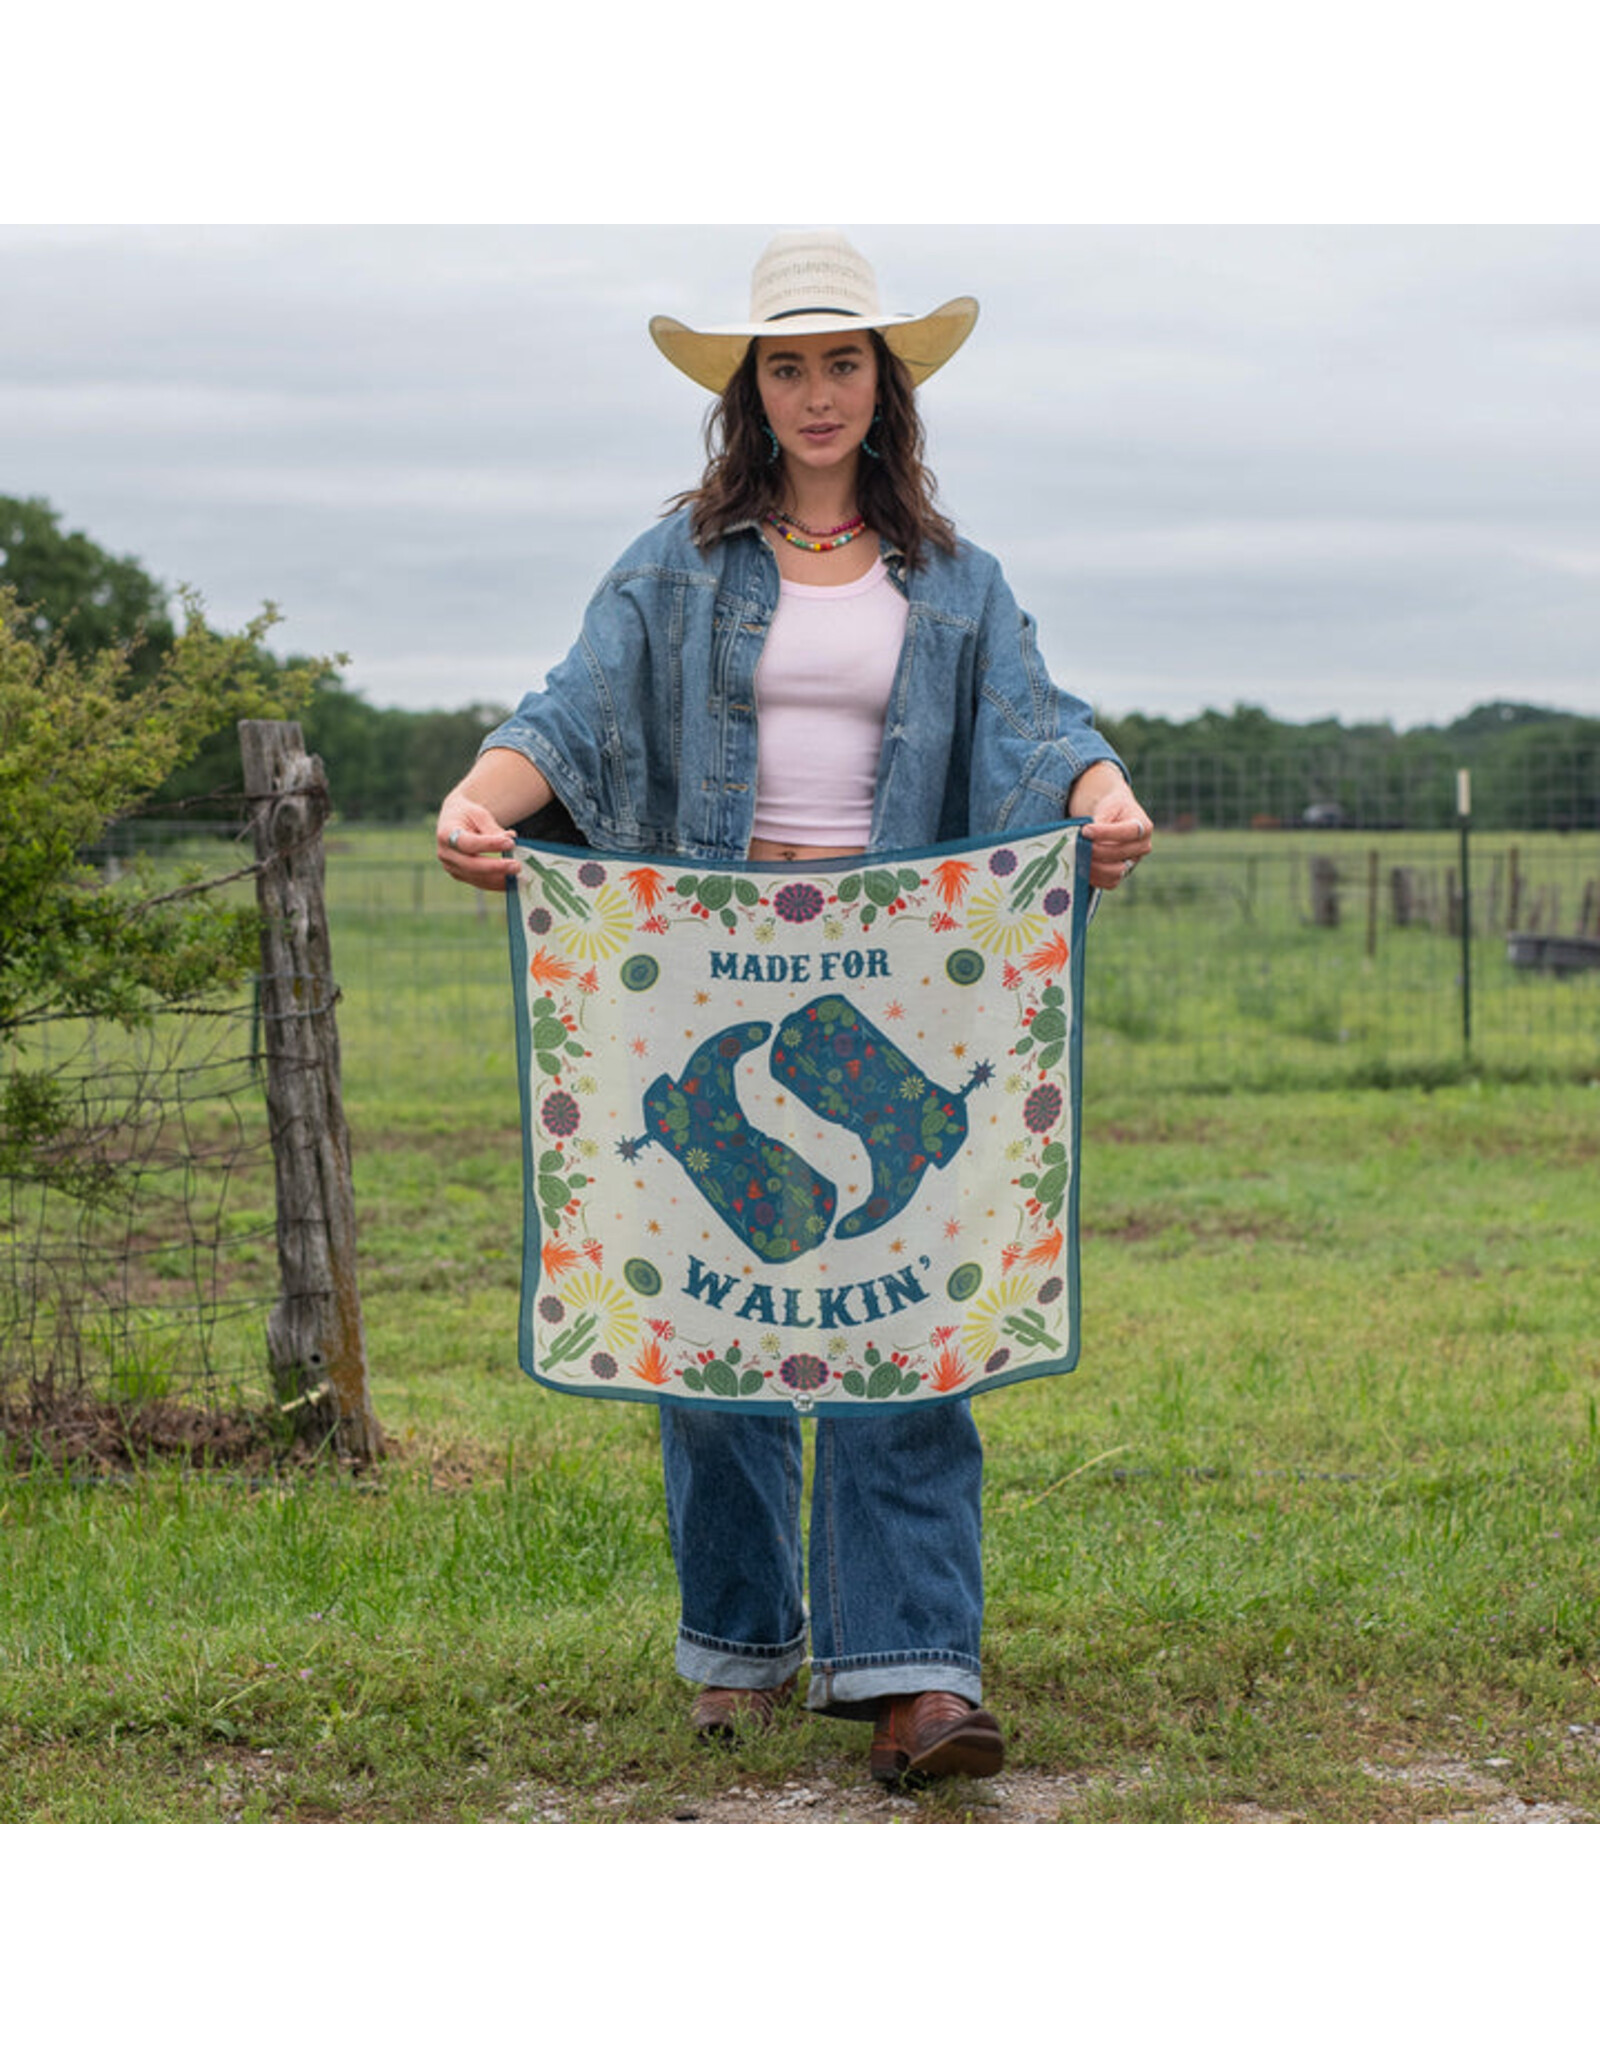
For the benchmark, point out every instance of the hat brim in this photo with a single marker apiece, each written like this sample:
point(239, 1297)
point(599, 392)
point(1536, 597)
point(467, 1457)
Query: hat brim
point(710, 355)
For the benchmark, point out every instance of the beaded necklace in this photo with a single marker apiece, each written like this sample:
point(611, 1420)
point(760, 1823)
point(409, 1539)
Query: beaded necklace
point(812, 541)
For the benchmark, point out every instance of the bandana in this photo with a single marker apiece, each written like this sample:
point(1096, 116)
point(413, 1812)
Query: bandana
point(800, 1137)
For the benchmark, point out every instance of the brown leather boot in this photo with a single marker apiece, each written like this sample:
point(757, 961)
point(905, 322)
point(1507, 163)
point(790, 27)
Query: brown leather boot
point(722, 1713)
point(923, 1735)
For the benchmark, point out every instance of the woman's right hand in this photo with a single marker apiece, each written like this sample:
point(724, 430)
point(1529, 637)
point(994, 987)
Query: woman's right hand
point(473, 845)
point(472, 841)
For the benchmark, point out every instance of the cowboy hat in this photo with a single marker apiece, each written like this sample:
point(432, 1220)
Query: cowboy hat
point(814, 282)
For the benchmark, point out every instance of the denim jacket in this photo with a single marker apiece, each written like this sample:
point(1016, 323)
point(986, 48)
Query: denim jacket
point(646, 732)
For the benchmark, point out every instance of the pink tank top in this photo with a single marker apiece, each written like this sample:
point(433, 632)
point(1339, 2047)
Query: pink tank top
point(822, 688)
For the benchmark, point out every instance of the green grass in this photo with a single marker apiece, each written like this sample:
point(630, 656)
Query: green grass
point(1321, 1505)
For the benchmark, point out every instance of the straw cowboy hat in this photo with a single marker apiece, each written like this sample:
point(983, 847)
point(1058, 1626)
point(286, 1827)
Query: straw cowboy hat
point(814, 282)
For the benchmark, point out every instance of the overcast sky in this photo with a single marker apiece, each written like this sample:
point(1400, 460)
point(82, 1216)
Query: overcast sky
point(1331, 471)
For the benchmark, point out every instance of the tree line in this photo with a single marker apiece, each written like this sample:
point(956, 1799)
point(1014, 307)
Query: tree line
point(1531, 767)
point(82, 601)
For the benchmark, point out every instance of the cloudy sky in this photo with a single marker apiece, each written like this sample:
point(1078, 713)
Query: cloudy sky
point(1347, 471)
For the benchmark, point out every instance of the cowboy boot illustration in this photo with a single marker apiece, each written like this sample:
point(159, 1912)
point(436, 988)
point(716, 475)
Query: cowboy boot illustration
point(764, 1191)
point(845, 1069)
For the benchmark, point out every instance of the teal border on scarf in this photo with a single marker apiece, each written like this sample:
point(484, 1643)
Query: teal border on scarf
point(1082, 908)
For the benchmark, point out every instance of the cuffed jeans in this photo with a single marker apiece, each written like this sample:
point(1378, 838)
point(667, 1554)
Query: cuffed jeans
point(895, 1557)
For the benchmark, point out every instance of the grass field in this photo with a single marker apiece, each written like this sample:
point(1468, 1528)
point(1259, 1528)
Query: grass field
point(1312, 1533)
point(1317, 1518)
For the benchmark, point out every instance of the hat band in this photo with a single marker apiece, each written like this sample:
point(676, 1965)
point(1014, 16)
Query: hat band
point(810, 312)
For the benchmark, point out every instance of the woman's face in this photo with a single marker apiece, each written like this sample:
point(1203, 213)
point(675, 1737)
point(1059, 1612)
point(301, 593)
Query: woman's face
point(818, 392)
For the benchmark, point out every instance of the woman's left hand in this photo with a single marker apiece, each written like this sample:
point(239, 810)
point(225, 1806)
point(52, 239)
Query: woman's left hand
point(1120, 833)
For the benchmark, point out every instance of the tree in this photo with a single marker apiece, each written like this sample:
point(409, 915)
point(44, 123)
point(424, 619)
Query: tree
point(77, 595)
point(83, 739)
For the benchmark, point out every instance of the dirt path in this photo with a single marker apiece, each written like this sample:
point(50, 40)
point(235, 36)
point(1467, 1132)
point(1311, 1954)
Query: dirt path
point(1022, 1798)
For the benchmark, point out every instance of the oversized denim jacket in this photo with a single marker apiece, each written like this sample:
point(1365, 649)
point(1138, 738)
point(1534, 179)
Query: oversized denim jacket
point(646, 732)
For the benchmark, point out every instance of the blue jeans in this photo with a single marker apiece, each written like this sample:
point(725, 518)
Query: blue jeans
point(895, 1565)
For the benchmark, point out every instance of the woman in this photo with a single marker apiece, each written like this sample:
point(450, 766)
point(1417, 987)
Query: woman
point(802, 661)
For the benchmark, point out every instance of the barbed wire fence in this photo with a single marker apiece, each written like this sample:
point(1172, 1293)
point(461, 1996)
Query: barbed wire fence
point(209, 1158)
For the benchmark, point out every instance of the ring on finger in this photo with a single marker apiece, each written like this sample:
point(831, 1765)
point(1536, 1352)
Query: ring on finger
point(454, 841)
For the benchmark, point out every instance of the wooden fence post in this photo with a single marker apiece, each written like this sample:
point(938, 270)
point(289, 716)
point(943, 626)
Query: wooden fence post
point(1372, 902)
point(315, 1342)
point(1324, 891)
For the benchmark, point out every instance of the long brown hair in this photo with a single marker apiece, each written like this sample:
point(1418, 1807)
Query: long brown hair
point(894, 492)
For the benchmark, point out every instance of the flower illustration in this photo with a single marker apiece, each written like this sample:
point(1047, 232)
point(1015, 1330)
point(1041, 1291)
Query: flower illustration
point(950, 878)
point(603, 1366)
point(803, 1372)
point(949, 1373)
point(539, 920)
point(986, 1320)
point(560, 1115)
point(591, 874)
point(998, 926)
point(1050, 958)
point(610, 1307)
point(646, 886)
point(1057, 901)
point(798, 902)
point(608, 928)
point(548, 971)
point(1042, 1108)
point(558, 1258)
point(1002, 861)
point(651, 1365)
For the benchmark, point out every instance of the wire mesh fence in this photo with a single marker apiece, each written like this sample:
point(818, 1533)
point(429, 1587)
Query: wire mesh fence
point(146, 1278)
point(1249, 959)
point(1246, 959)
point(1254, 960)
